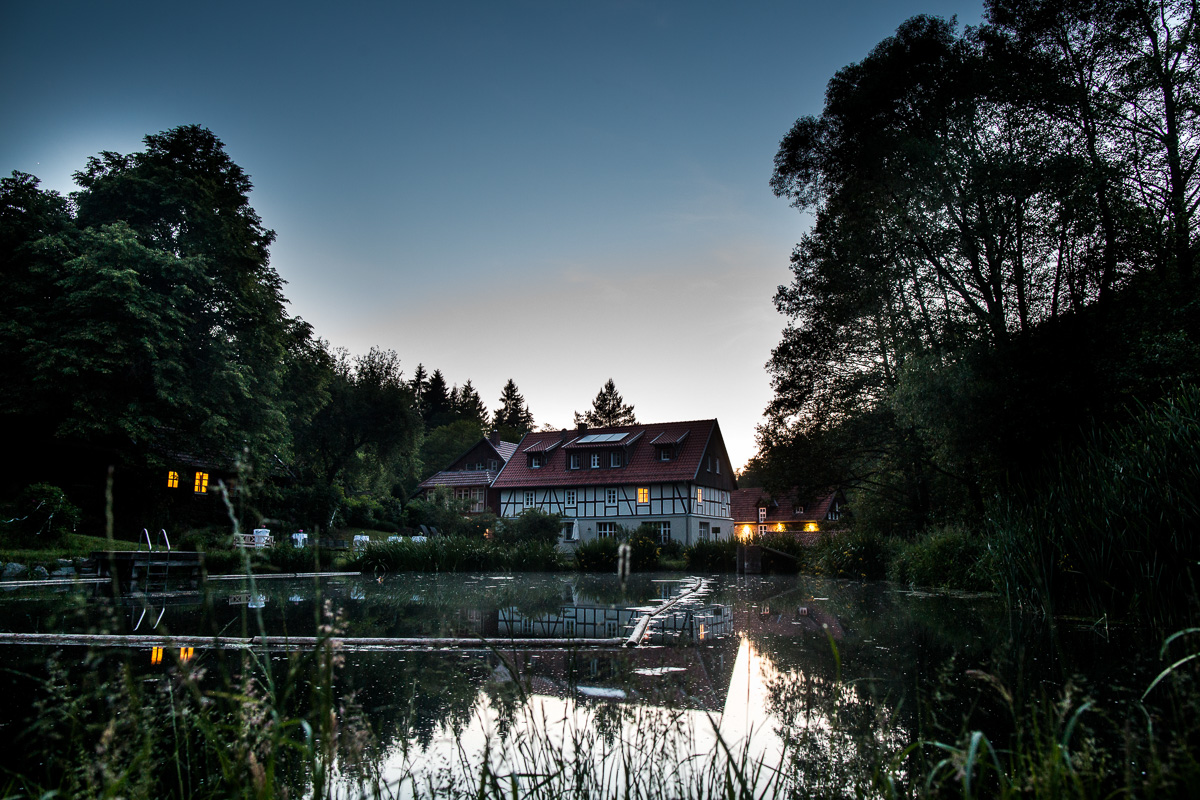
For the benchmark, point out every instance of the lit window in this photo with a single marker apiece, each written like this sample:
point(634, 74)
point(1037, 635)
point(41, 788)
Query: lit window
point(595, 461)
point(570, 499)
point(529, 499)
point(699, 495)
point(201, 483)
point(172, 480)
point(606, 530)
point(614, 459)
point(574, 460)
point(810, 527)
point(610, 497)
point(762, 515)
point(643, 494)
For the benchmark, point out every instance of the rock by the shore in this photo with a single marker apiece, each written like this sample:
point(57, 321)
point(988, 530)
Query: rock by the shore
point(13, 570)
point(41, 572)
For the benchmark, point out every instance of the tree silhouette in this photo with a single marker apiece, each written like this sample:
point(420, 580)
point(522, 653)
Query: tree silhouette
point(608, 409)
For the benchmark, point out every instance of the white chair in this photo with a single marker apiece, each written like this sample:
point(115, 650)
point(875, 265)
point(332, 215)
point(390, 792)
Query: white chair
point(395, 538)
point(299, 540)
point(361, 541)
point(262, 537)
point(418, 538)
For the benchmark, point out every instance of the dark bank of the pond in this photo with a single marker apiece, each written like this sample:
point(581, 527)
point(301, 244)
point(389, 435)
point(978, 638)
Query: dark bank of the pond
point(828, 679)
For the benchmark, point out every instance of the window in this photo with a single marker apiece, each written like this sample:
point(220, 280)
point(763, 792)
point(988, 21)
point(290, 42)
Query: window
point(201, 486)
point(172, 480)
point(699, 495)
point(610, 497)
point(595, 461)
point(708, 463)
point(664, 454)
point(475, 494)
point(570, 497)
point(535, 462)
point(762, 514)
point(606, 530)
point(493, 464)
point(664, 531)
point(614, 459)
point(703, 531)
point(529, 499)
point(574, 460)
point(718, 465)
point(643, 494)
point(762, 530)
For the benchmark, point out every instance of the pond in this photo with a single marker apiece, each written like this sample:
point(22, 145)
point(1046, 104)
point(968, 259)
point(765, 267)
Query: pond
point(803, 684)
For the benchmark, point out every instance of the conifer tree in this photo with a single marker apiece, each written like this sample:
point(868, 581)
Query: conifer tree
point(608, 409)
point(513, 418)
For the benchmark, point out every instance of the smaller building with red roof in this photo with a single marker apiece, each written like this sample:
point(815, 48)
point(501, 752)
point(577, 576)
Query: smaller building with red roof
point(470, 476)
point(758, 512)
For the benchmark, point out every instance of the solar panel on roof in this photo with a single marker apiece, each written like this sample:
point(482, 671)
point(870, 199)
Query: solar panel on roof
point(593, 438)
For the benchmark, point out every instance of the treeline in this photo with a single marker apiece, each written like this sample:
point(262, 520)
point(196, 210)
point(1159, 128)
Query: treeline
point(1002, 258)
point(142, 324)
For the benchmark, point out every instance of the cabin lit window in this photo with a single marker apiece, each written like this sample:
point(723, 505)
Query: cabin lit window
point(172, 480)
point(201, 486)
point(810, 527)
point(610, 497)
point(643, 494)
point(699, 495)
point(762, 515)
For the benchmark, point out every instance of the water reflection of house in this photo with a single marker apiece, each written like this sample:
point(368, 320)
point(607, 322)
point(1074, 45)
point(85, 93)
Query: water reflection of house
point(757, 511)
point(695, 623)
point(787, 620)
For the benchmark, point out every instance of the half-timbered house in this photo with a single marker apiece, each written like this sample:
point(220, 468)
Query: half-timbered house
point(470, 476)
point(756, 511)
point(675, 476)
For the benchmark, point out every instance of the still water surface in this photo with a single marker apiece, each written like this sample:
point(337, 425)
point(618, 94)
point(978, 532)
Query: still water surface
point(822, 678)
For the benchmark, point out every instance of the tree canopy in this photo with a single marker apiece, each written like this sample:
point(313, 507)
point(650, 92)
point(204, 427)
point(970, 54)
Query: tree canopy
point(995, 212)
point(608, 409)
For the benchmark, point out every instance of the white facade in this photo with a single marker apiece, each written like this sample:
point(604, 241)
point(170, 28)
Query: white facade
point(692, 512)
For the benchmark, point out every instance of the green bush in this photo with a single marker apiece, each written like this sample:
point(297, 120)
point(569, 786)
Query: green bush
point(712, 555)
point(43, 517)
point(861, 555)
point(438, 509)
point(460, 554)
point(644, 548)
point(598, 555)
point(534, 525)
point(950, 557)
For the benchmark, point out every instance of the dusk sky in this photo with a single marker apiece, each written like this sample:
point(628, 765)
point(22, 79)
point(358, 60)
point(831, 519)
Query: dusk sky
point(553, 192)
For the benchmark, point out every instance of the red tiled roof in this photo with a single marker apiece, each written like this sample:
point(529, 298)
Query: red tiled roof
point(642, 463)
point(542, 446)
point(746, 502)
point(506, 449)
point(477, 477)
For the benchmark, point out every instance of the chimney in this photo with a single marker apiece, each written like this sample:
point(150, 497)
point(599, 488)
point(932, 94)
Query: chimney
point(582, 427)
point(494, 437)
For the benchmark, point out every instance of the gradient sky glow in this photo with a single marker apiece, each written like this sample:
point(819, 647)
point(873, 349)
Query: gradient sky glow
point(556, 192)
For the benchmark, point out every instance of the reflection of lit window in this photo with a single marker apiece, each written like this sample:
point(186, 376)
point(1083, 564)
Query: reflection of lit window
point(201, 486)
point(172, 480)
point(644, 494)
